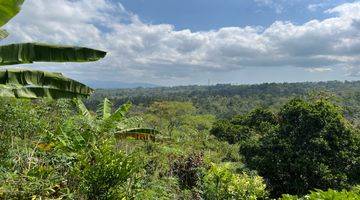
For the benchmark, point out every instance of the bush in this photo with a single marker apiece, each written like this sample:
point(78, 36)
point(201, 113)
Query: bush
point(187, 170)
point(313, 146)
point(221, 183)
point(328, 195)
point(108, 175)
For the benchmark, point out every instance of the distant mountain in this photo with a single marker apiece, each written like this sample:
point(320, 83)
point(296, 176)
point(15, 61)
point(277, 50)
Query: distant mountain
point(119, 85)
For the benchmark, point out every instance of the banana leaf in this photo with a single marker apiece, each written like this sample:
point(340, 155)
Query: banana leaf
point(120, 113)
point(8, 9)
point(37, 92)
point(105, 109)
point(137, 133)
point(37, 52)
point(35, 84)
point(3, 34)
point(83, 110)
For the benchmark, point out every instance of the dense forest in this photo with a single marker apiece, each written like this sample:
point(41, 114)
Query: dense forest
point(292, 141)
point(225, 100)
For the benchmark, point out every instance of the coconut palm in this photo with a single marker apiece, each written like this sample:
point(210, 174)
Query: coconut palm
point(39, 84)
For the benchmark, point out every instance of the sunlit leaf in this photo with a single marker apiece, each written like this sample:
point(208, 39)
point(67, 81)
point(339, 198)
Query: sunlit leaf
point(106, 107)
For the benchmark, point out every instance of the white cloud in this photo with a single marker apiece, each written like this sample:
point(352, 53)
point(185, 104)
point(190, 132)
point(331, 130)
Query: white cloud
point(315, 7)
point(275, 4)
point(159, 53)
point(319, 69)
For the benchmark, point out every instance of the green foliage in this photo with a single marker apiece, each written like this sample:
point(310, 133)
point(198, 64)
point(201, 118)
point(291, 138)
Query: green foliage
point(105, 108)
point(48, 152)
point(244, 128)
point(158, 189)
point(117, 116)
point(34, 84)
point(353, 194)
point(108, 175)
point(114, 123)
point(221, 182)
point(8, 9)
point(83, 110)
point(36, 52)
point(225, 100)
point(27, 167)
point(56, 150)
point(311, 147)
point(165, 115)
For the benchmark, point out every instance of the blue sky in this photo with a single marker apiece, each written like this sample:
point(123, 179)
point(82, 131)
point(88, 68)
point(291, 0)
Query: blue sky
point(204, 15)
point(172, 42)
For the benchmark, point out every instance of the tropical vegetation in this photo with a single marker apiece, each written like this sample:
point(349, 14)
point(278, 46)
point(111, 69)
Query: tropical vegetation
point(269, 141)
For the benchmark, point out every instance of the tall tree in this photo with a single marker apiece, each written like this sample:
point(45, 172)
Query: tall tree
point(312, 147)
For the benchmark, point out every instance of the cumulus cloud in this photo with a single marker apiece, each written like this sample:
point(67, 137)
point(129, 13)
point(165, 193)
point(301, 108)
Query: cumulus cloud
point(153, 52)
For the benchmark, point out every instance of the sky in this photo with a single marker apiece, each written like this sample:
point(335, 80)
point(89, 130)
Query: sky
point(173, 42)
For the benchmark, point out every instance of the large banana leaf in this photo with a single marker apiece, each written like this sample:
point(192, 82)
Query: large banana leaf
point(37, 52)
point(111, 121)
point(120, 113)
point(37, 92)
point(8, 9)
point(137, 133)
point(35, 84)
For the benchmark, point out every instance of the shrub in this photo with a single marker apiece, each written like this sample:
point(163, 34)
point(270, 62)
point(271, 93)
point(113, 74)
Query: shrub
point(187, 170)
point(108, 174)
point(328, 195)
point(221, 183)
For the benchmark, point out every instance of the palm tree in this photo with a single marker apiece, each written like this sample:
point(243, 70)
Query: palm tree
point(39, 84)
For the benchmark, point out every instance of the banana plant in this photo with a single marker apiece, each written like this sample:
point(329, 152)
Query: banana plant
point(104, 120)
point(38, 84)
